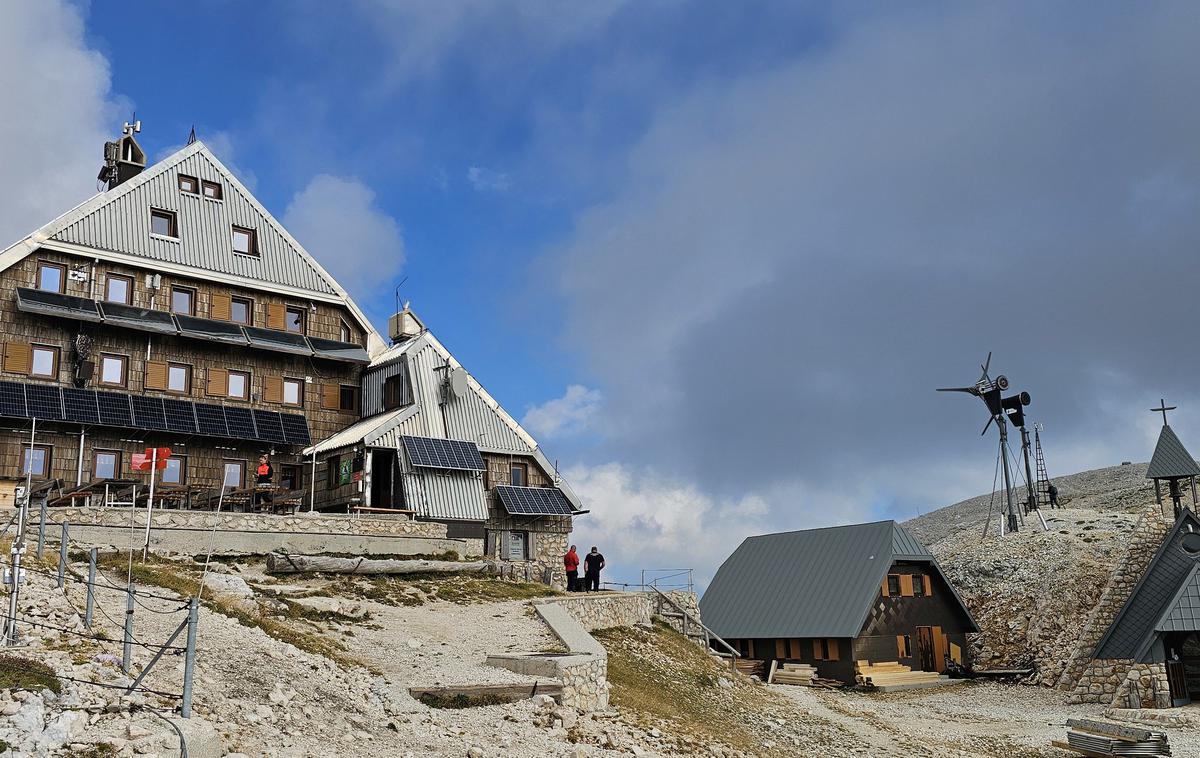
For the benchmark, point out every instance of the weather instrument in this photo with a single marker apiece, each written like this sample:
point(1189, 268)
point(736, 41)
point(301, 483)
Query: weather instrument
point(1003, 411)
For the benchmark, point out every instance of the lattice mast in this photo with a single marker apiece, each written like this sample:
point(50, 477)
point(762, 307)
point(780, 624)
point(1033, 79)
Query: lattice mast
point(1042, 491)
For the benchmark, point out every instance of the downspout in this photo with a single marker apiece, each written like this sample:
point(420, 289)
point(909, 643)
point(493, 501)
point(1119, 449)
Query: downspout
point(79, 463)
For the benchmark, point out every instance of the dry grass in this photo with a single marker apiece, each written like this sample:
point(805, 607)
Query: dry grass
point(420, 589)
point(20, 673)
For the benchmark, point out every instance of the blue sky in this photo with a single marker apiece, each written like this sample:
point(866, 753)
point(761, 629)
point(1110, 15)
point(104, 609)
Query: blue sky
point(715, 255)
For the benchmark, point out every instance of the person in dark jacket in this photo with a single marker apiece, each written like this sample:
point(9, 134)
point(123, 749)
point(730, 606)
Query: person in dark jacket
point(571, 564)
point(1053, 492)
point(592, 563)
point(263, 475)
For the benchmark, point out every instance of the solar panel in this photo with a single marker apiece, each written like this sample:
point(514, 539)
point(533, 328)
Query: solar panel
point(271, 339)
point(241, 423)
point(180, 416)
point(295, 429)
point(138, 318)
point(55, 304)
point(339, 351)
point(208, 329)
point(80, 405)
point(114, 409)
point(45, 401)
point(12, 400)
point(435, 452)
point(270, 426)
point(148, 412)
point(210, 420)
point(534, 501)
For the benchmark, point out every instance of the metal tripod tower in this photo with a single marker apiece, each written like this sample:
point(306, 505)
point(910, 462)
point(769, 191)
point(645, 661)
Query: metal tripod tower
point(1042, 491)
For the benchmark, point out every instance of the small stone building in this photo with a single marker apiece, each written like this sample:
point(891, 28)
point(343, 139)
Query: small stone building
point(831, 597)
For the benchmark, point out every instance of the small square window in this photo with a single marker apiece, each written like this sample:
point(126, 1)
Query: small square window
point(289, 477)
point(244, 242)
point(212, 190)
point(295, 319)
point(179, 378)
point(106, 464)
point(45, 362)
point(918, 585)
point(118, 289)
point(183, 300)
point(176, 470)
point(189, 184)
point(293, 392)
point(163, 223)
point(240, 310)
point(893, 583)
point(519, 475)
point(239, 385)
point(344, 333)
point(235, 473)
point(51, 277)
point(113, 370)
point(35, 460)
point(348, 398)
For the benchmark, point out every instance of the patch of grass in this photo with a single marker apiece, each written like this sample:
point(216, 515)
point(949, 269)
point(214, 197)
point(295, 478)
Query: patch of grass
point(102, 750)
point(417, 589)
point(21, 673)
point(460, 700)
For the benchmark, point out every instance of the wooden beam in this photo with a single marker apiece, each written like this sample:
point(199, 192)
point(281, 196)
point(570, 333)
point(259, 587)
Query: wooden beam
point(278, 563)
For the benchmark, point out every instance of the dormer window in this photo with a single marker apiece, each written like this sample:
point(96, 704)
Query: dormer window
point(245, 241)
point(189, 184)
point(163, 223)
point(212, 190)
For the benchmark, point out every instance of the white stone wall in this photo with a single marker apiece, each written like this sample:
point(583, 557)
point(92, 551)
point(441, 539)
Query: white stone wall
point(1145, 686)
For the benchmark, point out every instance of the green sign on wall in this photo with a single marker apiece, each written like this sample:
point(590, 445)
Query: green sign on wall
point(345, 471)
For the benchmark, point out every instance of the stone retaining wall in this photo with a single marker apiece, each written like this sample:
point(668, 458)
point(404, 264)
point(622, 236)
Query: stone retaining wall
point(1145, 686)
point(604, 610)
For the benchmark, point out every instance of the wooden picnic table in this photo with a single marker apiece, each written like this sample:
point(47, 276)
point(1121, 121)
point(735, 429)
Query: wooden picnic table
point(109, 490)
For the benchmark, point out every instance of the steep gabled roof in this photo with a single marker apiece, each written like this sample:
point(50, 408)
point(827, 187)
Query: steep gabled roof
point(1182, 614)
point(1171, 459)
point(115, 225)
point(812, 583)
point(1132, 631)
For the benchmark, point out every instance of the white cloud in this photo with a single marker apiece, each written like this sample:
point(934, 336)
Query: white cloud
point(484, 179)
point(572, 413)
point(338, 221)
point(57, 113)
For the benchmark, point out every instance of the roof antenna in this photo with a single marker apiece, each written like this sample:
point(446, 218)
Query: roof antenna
point(397, 293)
point(192, 135)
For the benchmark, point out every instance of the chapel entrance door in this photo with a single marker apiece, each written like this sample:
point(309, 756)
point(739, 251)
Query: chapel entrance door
point(925, 651)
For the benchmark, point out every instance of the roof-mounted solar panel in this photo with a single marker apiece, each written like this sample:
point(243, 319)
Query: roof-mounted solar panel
point(44, 401)
point(79, 405)
point(533, 501)
point(272, 339)
point(241, 423)
point(12, 400)
point(435, 452)
point(211, 330)
point(295, 429)
point(270, 426)
point(148, 413)
point(180, 416)
point(55, 304)
point(115, 409)
point(142, 319)
point(339, 351)
point(210, 420)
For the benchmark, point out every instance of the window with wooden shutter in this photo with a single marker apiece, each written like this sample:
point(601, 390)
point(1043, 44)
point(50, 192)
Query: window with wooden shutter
point(276, 316)
point(906, 585)
point(273, 389)
point(18, 357)
point(222, 307)
point(331, 397)
point(218, 382)
point(833, 650)
point(781, 648)
point(818, 650)
point(928, 585)
point(156, 375)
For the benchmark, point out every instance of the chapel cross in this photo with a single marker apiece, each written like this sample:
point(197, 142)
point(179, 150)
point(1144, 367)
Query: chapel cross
point(1163, 408)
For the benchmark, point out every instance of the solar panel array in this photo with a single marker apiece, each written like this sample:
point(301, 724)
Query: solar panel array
point(534, 501)
point(47, 402)
point(435, 452)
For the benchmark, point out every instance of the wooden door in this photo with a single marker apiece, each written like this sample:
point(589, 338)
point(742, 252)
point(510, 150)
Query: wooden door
point(1177, 679)
point(925, 651)
point(939, 650)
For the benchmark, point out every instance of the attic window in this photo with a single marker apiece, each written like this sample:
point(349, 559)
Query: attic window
point(163, 223)
point(212, 190)
point(244, 241)
point(189, 184)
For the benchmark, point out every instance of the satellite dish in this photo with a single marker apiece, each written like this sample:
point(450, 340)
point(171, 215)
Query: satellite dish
point(458, 382)
point(1191, 543)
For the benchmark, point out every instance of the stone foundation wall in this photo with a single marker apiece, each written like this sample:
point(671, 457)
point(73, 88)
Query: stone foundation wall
point(608, 609)
point(585, 685)
point(1082, 674)
point(1100, 680)
point(1145, 686)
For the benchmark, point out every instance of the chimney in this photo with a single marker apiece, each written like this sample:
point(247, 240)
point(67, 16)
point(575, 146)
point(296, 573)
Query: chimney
point(123, 159)
point(404, 325)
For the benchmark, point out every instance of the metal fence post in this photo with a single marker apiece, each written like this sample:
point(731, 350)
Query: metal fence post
point(62, 554)
point(127, 652)
point(189, 657)
point(91, 589)
point(41, 528)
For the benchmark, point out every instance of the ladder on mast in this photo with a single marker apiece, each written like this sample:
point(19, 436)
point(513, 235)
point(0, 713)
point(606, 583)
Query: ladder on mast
point(1042, 491)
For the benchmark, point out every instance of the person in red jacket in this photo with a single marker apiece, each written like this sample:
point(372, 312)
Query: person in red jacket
point(571, 564)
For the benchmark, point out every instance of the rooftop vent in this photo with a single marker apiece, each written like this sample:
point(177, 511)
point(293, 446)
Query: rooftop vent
point(123, 159)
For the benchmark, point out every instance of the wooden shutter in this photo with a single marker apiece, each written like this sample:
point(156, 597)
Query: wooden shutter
point(780, 649)
point(939, 649)
point(885, 587)
point(818, 653)
point(928, 585)
point(794, 649)
point(900, 651)
point(18, 357)
point(331, 397)
point(277, 316)
point(156, 375)
point(222, 307)
point(906, 585)
point(218, 382)
point(273, 389)
point(833, 650)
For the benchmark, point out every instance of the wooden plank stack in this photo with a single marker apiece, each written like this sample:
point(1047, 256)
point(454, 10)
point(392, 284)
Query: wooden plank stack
point(1097, 739)
point(751, 667)
point(891, 673)
point(802, 675)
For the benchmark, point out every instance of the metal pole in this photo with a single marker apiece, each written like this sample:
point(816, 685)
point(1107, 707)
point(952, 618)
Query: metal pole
point(189, 657)
point(91, 589)
point(1012, 513)
point(150, 500)
point(127, 651)
point(62, 554)
point(1033, 503)
point(18, 545)
point(79, 462)
point(312, 483)
point(41, 528)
